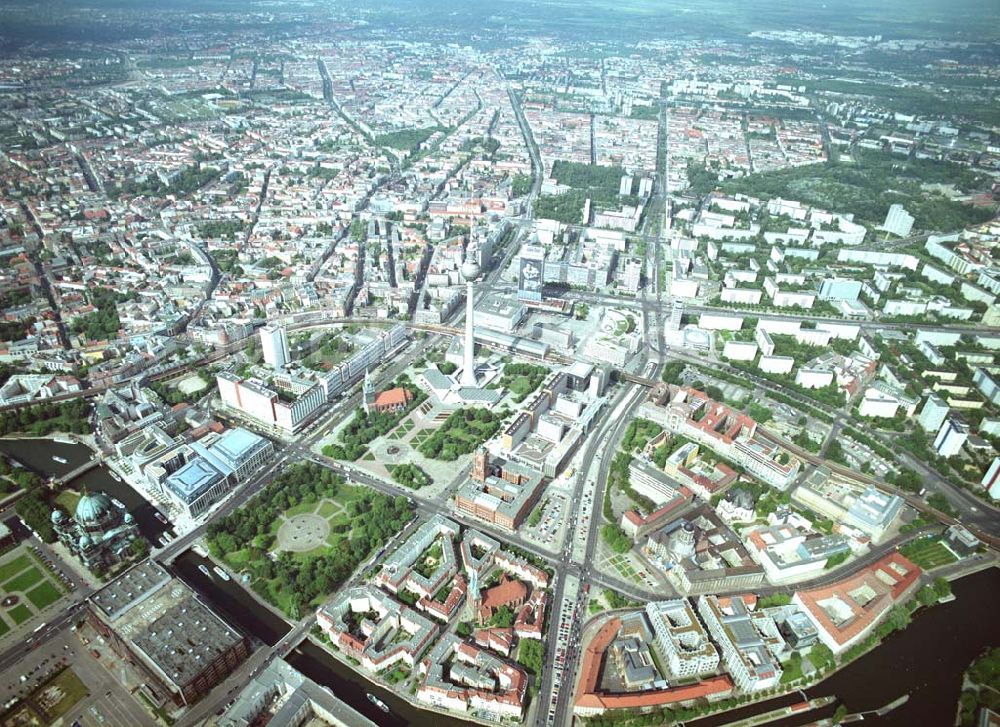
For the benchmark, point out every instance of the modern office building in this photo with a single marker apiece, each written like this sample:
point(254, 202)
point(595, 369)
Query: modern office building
point(898, 221)
point(991, 480)
point(304, 393)
point(274, 346)
point(986, 384)
point(500, 313)
point(839, 289)
point(210, 469)
point(631, 274)
point(531, 267)
point(933, 414)
point(749, 640)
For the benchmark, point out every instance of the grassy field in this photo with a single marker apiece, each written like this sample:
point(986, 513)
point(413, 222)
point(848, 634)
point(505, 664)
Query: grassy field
point(58, 695)
point(928, 553)
point(44, 595)
point(334, 511)
point(625, 568)
point(68, 500)
point(24, 581)
point(20, 613)
point(13, 567)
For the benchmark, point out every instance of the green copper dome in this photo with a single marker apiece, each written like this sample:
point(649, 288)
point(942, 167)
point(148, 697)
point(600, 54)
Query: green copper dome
point(93, 508)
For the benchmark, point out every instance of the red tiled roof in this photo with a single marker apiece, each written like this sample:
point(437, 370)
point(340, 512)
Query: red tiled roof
point(889, 578)
point(393, 397)
point(589, 697)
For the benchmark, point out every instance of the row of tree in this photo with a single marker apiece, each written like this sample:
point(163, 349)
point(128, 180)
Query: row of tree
point(41, 419)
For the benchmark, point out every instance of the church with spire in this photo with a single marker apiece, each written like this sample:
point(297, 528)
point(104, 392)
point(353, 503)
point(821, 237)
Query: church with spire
point(391, 400)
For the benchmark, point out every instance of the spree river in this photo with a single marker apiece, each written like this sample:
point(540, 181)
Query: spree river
point(925, 661)
point(239, 607)
point(37, 454)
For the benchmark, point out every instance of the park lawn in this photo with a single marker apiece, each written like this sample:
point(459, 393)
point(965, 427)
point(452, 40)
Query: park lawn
point(20, 613)
point(238, 558)
point(24, 581)
point(44, 595)
point(420, 436)
point(791, 670)
point(12, 568)
point(68, 500)
point(521, 386)
point(327, 509)
point(348, 493)
point(340, 519)
point(318, 550)
point(73, 691)
point(4, 628)
point(302, 508)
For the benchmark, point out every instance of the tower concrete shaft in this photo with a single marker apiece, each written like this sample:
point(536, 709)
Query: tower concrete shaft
point(469, 365)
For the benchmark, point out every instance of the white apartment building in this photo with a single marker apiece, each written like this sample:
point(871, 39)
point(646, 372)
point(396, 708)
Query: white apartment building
point(682, 639)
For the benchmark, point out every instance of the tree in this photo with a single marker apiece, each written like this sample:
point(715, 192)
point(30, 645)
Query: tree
point(531, 654)
point(940, 503)
point(139, 548)
point(502, 618)
point(616, 538)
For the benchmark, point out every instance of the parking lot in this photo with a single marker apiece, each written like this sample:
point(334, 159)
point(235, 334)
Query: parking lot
point(549, 531)
point(104, 703)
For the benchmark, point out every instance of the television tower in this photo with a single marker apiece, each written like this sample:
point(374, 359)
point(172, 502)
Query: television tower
point(470, 271)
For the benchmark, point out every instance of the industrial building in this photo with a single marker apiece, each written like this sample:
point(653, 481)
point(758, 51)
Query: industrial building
point(153, 620)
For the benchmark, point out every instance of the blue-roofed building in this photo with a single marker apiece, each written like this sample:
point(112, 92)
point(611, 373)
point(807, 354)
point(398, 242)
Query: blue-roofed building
point(198, 485)
point(241, 451)
point(214, 466)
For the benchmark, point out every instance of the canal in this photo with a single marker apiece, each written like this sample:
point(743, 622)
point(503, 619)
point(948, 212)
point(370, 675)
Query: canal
point(37, 455)
point(232, 600)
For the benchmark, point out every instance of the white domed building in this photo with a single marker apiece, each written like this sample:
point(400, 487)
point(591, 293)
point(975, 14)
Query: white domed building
point(100, 532)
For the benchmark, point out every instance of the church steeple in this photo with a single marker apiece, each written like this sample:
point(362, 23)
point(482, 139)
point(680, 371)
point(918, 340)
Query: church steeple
point(368, 393)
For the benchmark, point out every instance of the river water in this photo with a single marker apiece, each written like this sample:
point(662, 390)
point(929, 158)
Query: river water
point(37, 454)
point(926, 660)
point(232, 601)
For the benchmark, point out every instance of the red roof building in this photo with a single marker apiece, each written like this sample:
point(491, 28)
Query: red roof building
point(847, 611)
point(590, 700)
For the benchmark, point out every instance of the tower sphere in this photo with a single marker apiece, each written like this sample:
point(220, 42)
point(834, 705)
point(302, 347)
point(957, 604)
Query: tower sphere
point(470, 270)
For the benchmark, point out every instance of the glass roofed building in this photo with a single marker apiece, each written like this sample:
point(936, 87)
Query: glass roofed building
point(213, 466)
